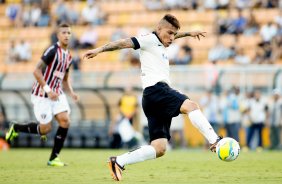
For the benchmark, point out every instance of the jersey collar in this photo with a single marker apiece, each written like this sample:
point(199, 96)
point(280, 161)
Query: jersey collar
point(65, 51)
point(157, 36)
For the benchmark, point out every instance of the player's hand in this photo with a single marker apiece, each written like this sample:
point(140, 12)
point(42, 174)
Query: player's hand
point(90, 54)
point(75, 97)
point(198, 34)
point(53, 96)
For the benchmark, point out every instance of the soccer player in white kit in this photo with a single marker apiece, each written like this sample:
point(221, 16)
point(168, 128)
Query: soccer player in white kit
point(160, 102)
point(47, 96)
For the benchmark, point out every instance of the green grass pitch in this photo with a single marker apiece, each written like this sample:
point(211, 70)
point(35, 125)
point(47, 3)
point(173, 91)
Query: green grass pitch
point(28, 166)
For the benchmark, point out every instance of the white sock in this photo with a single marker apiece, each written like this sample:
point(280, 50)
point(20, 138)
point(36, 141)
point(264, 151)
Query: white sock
point(141, 154)
point(201, 123)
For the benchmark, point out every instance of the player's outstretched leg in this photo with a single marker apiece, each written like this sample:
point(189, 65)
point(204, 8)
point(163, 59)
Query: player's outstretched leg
point(143, 153)
point(199, 121)
point(31, 128)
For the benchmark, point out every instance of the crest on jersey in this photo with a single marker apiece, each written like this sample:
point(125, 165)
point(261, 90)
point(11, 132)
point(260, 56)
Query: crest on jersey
point(43, 116)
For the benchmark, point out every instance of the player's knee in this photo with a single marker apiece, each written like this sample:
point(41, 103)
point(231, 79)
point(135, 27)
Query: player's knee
point(160, 151)
point(64, 122)
point(188, 106)
point(45, 129)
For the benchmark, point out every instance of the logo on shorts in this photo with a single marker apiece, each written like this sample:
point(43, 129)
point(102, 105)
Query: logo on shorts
point(43, 116)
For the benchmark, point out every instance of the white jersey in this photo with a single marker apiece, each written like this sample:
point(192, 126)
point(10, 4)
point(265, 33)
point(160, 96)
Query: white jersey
point(153, 58)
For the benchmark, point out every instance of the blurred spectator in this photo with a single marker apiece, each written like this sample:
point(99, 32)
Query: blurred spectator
point(252, 25)
point(210, 4)
point(153, 4)
point(76, 61)
point(211, 109)
point(76, 66)
point(268, 31)
point(232, 114)
point(275, 119)
point(121, 129)
point(184, 55)
point(270, 3)
point(118, 34)
point(278, 18)
point(177, 132)
point(170, 4)
point(276, 47)
point(88, 38)
point(60, 12)
point(242, 4)
point(11, 52)
point(23, 51)
point(264, 54)
point(245, 110)
point(92, 14)
point(223, 4)
point(13, 12)
point(241, 57)
point(219, 52)
point(73, 12)
point(44, 19)
point(31, 15)
point(223, 22)
point(187, 4)
point(211, 74)
point(53, 36)
point(238, 24)
point(74, 42)
point(258, 115)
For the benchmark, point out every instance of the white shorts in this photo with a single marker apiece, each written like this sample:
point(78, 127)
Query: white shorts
point(45, 109)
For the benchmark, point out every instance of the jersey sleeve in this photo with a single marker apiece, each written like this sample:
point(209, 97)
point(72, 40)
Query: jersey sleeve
point(69, 66)
point(49, 55)
point(142, 42)
point(68, 69)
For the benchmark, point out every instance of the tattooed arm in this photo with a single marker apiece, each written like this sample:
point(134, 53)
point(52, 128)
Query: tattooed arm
point(38, 73)
point(117, 45)
point(195, 34)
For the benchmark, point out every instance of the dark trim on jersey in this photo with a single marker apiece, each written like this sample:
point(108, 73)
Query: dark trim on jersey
point(155, 33)
point(49, 54)
point(135, 43)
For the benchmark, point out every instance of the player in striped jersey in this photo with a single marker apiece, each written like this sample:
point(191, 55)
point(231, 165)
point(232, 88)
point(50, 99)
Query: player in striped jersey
point(48, 98)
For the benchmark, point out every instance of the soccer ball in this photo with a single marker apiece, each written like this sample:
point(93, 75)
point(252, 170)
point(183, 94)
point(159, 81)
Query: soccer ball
point(227, 149)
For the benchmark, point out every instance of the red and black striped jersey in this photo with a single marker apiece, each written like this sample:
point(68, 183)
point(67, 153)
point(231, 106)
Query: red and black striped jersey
point(58, 62)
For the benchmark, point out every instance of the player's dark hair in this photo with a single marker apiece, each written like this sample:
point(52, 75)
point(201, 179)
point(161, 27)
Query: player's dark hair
point(172, 20)
point(63, 25)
